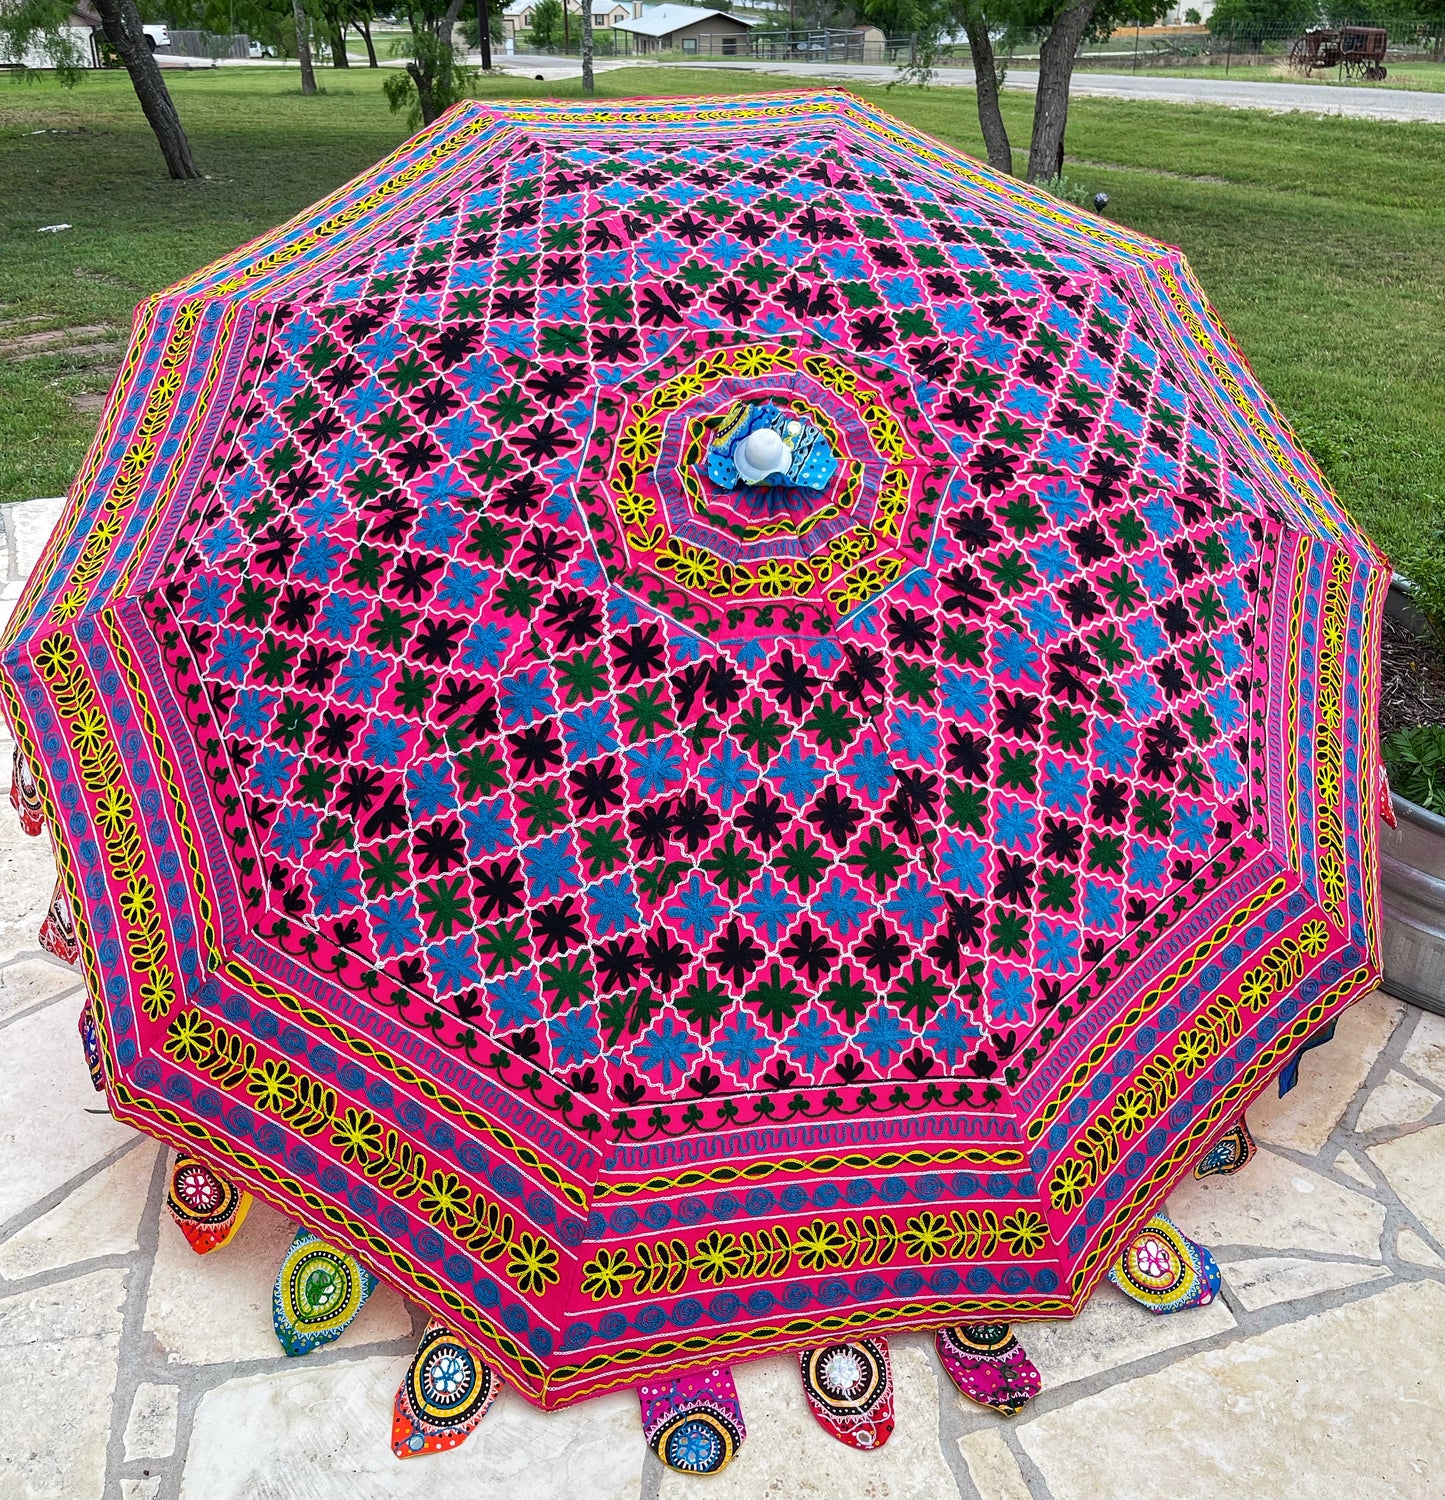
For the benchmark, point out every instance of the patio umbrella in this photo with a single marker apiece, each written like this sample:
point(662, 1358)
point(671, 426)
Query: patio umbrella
point(696, 727)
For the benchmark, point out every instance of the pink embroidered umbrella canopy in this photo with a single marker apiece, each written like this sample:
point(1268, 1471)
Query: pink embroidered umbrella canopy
point(696, 726)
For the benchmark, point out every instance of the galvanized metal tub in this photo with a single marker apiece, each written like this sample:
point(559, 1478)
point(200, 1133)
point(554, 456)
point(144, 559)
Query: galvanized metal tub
point(1412, 880)
point(1412, 893)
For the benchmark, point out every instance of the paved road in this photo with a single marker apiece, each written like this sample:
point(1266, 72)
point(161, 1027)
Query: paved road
point(1279, 98)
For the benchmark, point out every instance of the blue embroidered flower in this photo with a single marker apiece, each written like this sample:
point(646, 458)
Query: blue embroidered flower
point(1015, 825)
point(271, 772)
point(454, 963)
point(696, 910)
point(612, 905)
point(913, 736)
point(1010, 997)
point(339, 618)
point(551, 867)
point(727, 775)
point(488, 828)
point(1147, 866)
point(574, 1038)
point(1114, 747)
point(1058, 949)
point(742, 1046)
point(952, 1034)
point(513, 1001)
point(840, 908)
point(797, 772)
point(667, 1052)
point(292, 831)
point(430, 789)
point(360, 678)
point(963, 863)
point(385, 741)
point(485, 645)
point(318, 559)
point(232, 658)
point(526, 697)
point(209, 597)
point(1193, 826)
point(1064, 785)
point(655, 767)
point(395, 923)
point(965, 696)
point(770, 907)
point(883, 1037)
point(1102, 904)
point(915, 905)
point(589, 731)
point(813, 1040)
point(335, 887)
point(438, 527)
point(868, 770)
point(1015, 656)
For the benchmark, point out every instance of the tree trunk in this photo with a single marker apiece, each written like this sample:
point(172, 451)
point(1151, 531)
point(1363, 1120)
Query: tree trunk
point(589, 84)
point(124, 32)
point(425, 97)
point(364, 26)
point(431, 69)
point(339, 59)
point(1051, 104)
point(987, 79)
point(303, 48)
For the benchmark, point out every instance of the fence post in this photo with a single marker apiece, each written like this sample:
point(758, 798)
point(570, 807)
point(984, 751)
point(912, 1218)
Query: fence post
point(1136, 49)
point(1230, 53)
point(912, 49)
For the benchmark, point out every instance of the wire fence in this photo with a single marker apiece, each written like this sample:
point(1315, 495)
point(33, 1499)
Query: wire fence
point(1350, 53)
point(206, 44)
point(1364, 52)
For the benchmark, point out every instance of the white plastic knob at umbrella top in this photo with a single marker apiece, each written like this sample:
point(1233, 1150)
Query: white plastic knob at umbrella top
point(763, 452)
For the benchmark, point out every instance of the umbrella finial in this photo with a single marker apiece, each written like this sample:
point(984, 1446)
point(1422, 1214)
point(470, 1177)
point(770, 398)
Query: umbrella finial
point(763, 452)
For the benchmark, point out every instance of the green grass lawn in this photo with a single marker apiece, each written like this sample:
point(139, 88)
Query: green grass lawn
point(1318, 239)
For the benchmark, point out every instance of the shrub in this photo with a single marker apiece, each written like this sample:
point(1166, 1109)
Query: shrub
point(1415, 759)
point(1067, 189)
point(1425, 568)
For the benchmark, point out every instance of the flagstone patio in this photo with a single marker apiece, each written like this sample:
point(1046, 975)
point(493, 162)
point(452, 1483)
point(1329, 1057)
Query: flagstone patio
point(134, 1370)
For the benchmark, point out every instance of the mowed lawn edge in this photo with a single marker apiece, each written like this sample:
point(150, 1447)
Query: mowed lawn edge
point(1317, 238)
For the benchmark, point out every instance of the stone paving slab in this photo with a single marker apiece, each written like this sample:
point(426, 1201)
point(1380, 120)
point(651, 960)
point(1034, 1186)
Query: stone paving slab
point(131, 1369)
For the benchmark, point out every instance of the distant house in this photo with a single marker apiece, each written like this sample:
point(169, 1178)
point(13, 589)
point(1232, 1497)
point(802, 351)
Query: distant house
point(517, 16)
point(687, 28)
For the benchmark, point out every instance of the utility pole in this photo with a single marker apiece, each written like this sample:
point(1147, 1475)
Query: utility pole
point(484, 34)
point(589, 84)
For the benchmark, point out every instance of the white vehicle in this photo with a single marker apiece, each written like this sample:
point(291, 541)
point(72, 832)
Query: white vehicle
point(157, 35)
point(88, 39)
